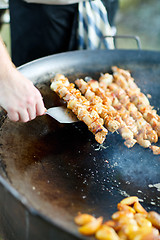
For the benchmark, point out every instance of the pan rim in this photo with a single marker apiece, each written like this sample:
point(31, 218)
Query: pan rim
point(19, 197)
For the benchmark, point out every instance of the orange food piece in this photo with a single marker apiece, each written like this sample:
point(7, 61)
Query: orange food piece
point(91, 227)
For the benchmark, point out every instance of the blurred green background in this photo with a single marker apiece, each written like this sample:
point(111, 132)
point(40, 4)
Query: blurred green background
point(142, 18)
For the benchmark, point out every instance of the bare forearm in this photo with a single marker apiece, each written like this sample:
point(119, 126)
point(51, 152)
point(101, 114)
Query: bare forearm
point(18, 96)
point(6, 65)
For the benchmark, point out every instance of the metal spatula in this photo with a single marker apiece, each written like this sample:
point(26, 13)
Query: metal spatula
point(62, 114)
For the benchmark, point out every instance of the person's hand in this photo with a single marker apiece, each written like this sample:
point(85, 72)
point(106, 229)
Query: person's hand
point(19, 97)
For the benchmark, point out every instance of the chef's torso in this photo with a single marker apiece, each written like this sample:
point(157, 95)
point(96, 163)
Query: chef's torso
point(55, 2)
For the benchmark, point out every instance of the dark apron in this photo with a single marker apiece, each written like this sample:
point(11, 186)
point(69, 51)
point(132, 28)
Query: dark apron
point(39, 30)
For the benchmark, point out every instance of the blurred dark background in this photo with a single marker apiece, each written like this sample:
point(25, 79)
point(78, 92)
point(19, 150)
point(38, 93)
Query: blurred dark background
point(135, 17)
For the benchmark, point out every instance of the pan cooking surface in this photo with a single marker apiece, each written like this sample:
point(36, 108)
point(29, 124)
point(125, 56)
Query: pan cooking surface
point(61, 169)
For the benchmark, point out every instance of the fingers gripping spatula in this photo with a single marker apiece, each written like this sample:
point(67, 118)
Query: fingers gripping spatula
point(62, 114)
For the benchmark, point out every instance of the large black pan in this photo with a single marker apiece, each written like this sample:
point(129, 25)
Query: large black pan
point(50, 171)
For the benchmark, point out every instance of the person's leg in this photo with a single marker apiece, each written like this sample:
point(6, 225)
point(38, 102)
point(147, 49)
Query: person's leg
point(39, 30)
point(112, 7)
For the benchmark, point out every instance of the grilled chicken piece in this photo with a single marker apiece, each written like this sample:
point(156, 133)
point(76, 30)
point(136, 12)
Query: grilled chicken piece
point(80, 106)
point(105, 112)
point(123, 79)
point(145, 130)
point(106, 93)
point(104, 108)
point(116, 101)
point(155, 149)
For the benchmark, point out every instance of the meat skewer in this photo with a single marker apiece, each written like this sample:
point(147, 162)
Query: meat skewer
point(123, 112)
point(106, 112)
point(88, 91)
point(115, 101)
point(144, 127)
point(123, 78)
point(79, 105)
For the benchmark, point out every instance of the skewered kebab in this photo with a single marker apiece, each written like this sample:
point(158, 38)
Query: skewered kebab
point(123, 112)
point(144, 127)
point(79, 105)
point(123, 78)
point(105, 111)
point(99, 97)
point(86, 89)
